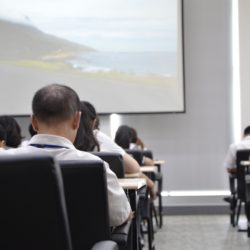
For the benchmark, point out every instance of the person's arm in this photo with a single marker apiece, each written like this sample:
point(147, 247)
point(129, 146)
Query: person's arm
point(150, 185)
point(230, 160)
point(139, 143)
point(130, 164)
point(148, 161)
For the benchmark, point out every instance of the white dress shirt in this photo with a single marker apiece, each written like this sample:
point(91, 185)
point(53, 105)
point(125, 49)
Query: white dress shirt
point(107, 144)
point(230, 160)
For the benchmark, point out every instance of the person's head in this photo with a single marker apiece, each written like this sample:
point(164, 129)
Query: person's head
point(13, 131)
point(123, 136)
point(90, 109)
point(32, 131)
point(134, 136)
point(247, 131)
point(2, 136)
point(85, 139)
point(56, 110)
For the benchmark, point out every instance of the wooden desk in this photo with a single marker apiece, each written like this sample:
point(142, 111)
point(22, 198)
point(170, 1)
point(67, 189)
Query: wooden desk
point(159, 162)
point(132, 183)
point(134, 175)
point(149, 169)
point(144, 169)
point(132, 186)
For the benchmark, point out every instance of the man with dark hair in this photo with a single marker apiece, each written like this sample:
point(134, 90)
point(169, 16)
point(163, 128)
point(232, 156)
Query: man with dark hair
point(62, 103)
point(56, 118)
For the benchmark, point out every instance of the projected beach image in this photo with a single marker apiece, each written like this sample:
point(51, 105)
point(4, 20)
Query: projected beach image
point(123, 56)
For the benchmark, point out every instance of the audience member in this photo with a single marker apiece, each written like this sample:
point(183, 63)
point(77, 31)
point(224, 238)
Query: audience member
point(136, 142)
point(126, 137)
point(13, 131)
point(99, 141)
point(56, 118)
point(230, 160)
point(85, 138)
point(123, 136)
point(2, 137)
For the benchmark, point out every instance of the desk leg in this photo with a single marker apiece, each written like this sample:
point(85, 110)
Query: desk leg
point(134, 205)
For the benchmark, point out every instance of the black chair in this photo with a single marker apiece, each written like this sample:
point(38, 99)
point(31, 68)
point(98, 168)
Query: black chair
point(87, 203)
point(148, 153)
point(243, 192)
point(136, 154)
point(32, 212)
point(157, 177)
point(233, 200)
point(114, 160)
point(116, 164)
point(146, 206)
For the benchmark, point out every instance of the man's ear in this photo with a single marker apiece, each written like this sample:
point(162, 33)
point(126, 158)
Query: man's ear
point(34, 123)
point(76, 120)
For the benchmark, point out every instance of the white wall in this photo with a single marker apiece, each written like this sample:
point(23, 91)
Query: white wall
point(244, 34)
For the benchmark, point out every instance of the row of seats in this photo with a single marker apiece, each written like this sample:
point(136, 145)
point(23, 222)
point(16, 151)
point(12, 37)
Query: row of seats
point(155, 176)
point(54, 206)
point(44, 200)
point(147, 209)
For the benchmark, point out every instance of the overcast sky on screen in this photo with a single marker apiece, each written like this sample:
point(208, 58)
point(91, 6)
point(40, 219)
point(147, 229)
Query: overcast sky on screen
point(93, 8)
point(117, 25)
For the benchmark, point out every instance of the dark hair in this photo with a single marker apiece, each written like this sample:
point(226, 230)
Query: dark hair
point(134, 136)
point(92, 113)
point(247, 130)
point(32, 131)
point(85, 138)
point(13, 131)
point(55, 102)
point(123, 136)
point(2, 133)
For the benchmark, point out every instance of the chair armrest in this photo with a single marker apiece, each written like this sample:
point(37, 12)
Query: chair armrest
point(105, 245)
point(121, 233)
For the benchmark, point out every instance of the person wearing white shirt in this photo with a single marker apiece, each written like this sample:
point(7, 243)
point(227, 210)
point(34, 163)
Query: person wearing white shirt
point(56, 118)
point(230, 164)
point(244, 143)
point(90, 138)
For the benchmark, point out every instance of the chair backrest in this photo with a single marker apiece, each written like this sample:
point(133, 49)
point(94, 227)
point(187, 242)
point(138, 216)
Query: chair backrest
point(148, 153)
point(241, 155)
point(137, 154)
point(114, 160)
point(32, 206)
point(85, 186)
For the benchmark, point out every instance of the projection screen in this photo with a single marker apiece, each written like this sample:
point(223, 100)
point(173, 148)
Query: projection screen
point(122, 56)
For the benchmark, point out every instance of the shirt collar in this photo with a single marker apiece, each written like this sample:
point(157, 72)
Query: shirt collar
point(246, 137)
point(51, 139)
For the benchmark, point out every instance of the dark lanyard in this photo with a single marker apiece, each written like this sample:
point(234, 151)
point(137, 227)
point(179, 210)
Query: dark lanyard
point(47, 146)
